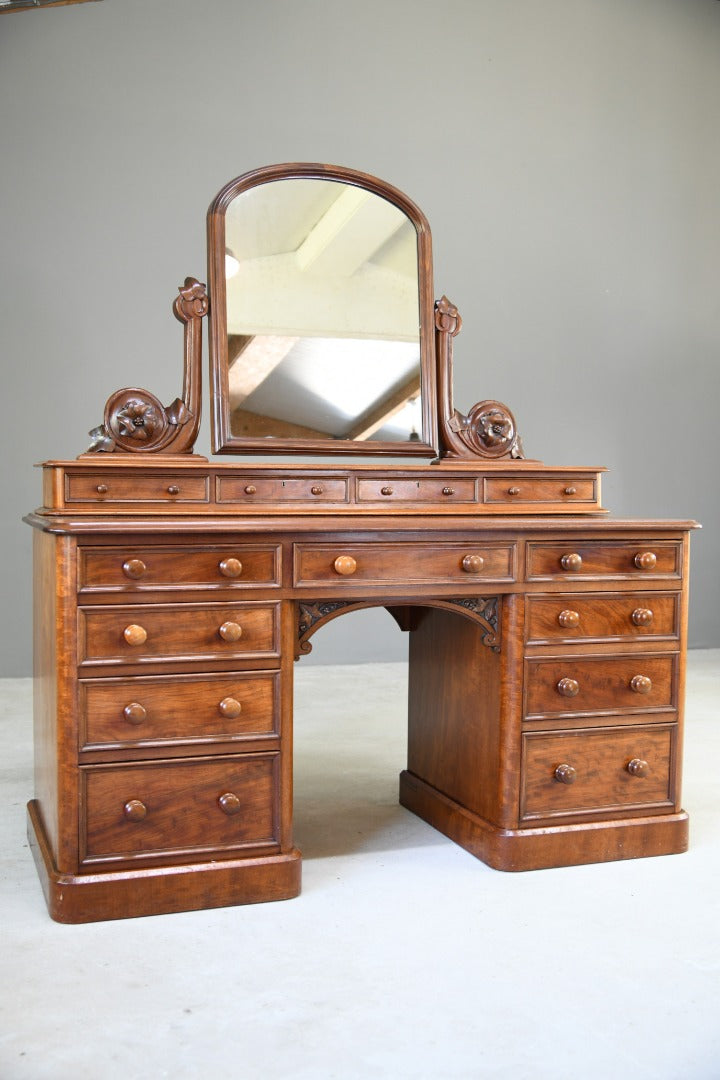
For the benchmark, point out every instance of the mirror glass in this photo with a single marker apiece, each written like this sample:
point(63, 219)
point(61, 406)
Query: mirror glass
point(320, 336)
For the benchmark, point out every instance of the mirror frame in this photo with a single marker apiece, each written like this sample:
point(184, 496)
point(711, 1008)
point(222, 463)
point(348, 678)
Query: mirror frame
point(223, 441)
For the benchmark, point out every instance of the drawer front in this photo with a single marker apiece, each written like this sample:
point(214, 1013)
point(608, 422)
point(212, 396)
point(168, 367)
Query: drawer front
point(189, 805)
point(597, 770)
point(583, 559)
point(131, 569)
point(612, 617)
point(276, 489)
point(452, 489)
point(157, 710)
point(376, 564)
point(514, 489)
point(128, 635)
point(109, 487)
point(603, 684)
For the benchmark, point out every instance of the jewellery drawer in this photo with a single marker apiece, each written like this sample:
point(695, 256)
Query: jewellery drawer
point(157, 710)
point(128, 568)
point(514, 489)
point(403, 489)
point(112, 487)
point(276, 489)
point(122, 634)
point(599, 685)
point(580, 771)
point(411, 563)
point(189, 805)
point(606, 616)
point(582, 559)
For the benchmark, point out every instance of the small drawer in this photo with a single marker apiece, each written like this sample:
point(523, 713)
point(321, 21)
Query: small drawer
point(132, 569)
point(582, 771)
point(173, 807)
point(114, 487)
point(606, 684)
point(601, 617)
point(412, 564)
point(249, 490)
point(131, 635)
point(605, 558)
point(160, 710)
point(443, 491)
point(514, 490)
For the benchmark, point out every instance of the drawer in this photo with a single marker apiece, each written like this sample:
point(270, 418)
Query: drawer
point(604, 558)
point(581, 771)
point(444, 491)
point(404, 564)
point(136, 568)
point(277, 489)
point(599, 685)
point(514, 489)
point(601, 617)
point(191, 805)
point(124, 634)
point(113, 487)
point(158, 710)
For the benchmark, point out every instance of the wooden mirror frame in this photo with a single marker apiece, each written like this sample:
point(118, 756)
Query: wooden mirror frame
point(223, 441)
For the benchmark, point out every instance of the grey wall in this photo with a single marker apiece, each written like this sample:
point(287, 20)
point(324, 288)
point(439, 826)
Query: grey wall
point(565, 152)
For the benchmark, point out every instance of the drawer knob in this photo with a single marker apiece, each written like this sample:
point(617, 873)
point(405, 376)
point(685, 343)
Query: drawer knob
point(473, 564)
point(135, 713)
point(640, 684)
point(229, 803)
point(173, 489)
point(134, 810)
point(513, 491)
point(386, 491)
point(638, 767)
point(646, 560)
point(316, 490)
point(565, 774)
point(571, 490)
point(102, 489)
point(135, 634)
point(573, 561)
point(230, 568)
point(568, 687)
point(642, 616)
point(569, 619)
point(345, 565)
point(134, 568)
point(250, 489)
point(448, 491)
point(230, 631)
point(230, 707)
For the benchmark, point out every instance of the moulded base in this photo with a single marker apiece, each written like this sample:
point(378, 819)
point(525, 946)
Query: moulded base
point(79, 898)
point(544, 847)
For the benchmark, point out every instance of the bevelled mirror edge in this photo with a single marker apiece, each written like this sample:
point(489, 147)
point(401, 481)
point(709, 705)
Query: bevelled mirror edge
point(423, 443)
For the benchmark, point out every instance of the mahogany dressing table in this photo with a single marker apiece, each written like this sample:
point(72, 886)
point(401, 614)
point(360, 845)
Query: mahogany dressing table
point(173, 594)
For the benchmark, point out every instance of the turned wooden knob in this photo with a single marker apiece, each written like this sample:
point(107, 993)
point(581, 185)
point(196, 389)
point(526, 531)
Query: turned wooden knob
point(134, 810)
point(572, 561)
point(448, 491)
point(571, 490)
point(513, 491)
point(230, 567)
point(638, 767)
point(230, 631)
point(134, 568)
point(102, 489)
point(386, 491)
point(250, 489)
point(230, 707)
point(345, 565)
point(472, 564)
point(642, 616)
point(135, 713)
point(640, 684)
point(569, 619)
point(134, 634)
point(646, 560)
point(568, 687)
point(565, 774)
point(316, 490)
point(229, 803)
point(173, 489)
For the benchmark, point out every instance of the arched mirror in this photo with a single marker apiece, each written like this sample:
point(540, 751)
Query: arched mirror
point(321, 316)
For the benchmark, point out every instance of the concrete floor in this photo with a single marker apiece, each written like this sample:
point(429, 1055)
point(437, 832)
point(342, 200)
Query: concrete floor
point(404, 957)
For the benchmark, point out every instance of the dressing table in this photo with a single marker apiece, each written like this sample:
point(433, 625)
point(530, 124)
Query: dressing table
point(174, 594)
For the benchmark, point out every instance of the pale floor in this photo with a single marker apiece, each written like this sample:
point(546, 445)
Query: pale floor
point(404, 957)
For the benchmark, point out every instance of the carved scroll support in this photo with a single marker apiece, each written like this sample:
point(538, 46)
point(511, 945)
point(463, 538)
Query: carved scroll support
point(135, 422)
point(488, 430)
